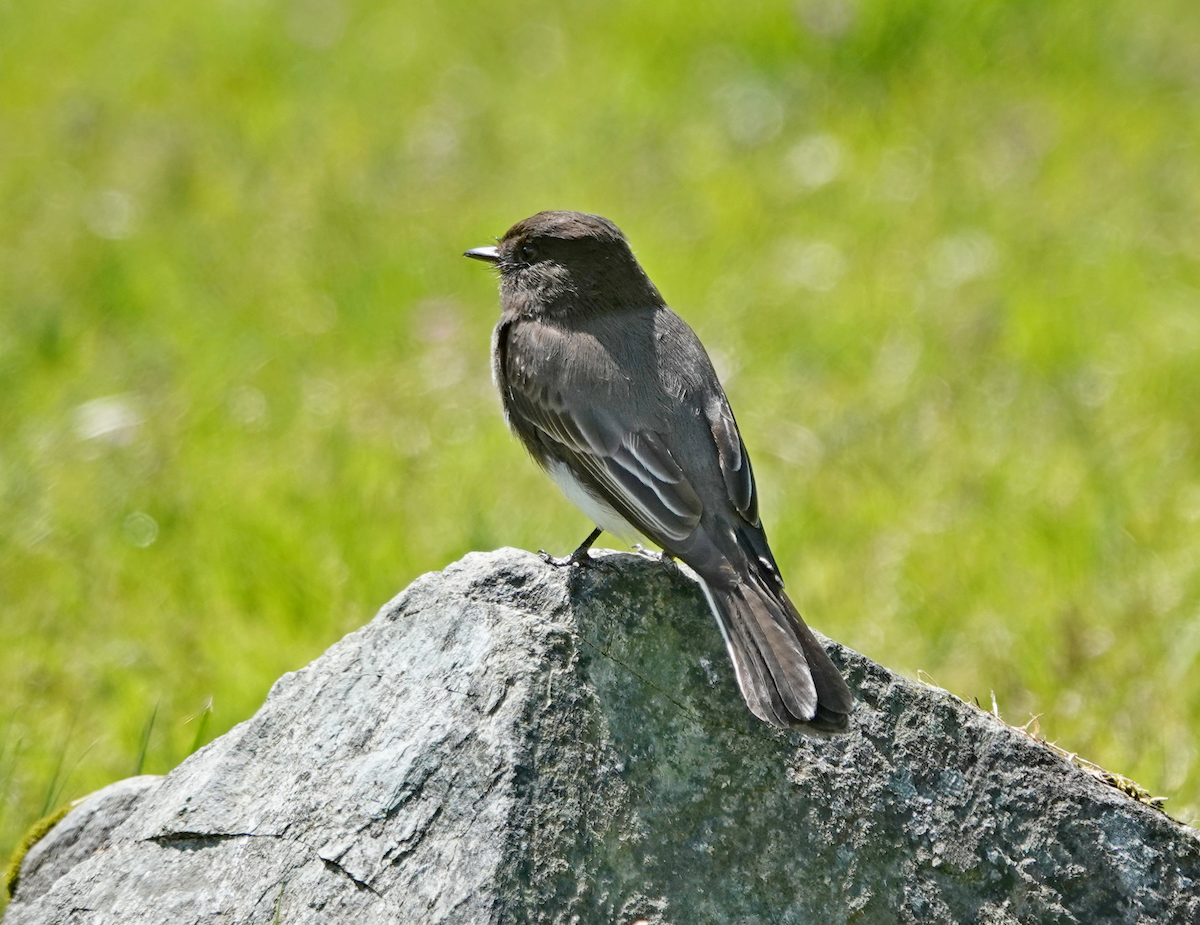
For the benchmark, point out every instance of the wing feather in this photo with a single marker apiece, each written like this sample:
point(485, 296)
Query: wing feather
point(735, 463)
point(629, 468)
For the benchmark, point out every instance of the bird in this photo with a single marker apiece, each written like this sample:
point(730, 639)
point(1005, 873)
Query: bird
point(614, 396)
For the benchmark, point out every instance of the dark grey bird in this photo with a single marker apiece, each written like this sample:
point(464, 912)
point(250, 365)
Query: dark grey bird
point(614, 396)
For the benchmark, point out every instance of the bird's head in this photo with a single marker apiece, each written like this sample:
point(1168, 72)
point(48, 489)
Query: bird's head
point(557, 263)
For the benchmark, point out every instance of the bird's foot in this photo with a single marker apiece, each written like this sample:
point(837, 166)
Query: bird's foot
point(667, 560)
point(564, 561)
point(580, 557)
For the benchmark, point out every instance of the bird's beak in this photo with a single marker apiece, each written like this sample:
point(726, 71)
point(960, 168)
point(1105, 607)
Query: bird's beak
point(487, 254)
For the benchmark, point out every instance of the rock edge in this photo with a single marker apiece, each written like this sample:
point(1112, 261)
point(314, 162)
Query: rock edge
point(509, 742)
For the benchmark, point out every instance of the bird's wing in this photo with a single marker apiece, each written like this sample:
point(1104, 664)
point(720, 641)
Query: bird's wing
point(691, 376)
point(735, 462)
point(627, 466)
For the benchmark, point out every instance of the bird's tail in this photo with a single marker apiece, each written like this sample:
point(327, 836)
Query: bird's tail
point(785, 676)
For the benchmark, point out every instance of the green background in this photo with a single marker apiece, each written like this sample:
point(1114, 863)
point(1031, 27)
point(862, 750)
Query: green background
point(945, 253)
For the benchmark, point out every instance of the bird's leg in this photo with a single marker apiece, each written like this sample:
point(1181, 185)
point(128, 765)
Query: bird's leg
point(579, 557)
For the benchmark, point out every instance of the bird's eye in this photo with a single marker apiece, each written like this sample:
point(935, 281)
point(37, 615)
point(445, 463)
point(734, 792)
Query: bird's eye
point(528, 253)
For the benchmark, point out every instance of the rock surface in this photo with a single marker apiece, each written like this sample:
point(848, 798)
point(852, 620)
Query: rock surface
point(81, 833)
point(508, 742)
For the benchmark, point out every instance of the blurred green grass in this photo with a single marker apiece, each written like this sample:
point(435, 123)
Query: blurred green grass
point(946, 254)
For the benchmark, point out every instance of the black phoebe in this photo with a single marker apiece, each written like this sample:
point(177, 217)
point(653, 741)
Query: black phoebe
point(614, 396)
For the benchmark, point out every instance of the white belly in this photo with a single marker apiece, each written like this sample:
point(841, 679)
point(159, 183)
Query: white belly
point(599, 511)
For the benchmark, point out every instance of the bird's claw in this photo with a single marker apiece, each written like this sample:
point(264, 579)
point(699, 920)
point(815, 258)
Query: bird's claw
point(665, 558)
point(558, 561)
point(580, 557)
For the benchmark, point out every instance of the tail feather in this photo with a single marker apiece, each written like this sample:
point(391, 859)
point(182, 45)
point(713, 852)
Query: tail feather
point(832, 692)
point(749, 668)
point(784, 674)
point(781, 650)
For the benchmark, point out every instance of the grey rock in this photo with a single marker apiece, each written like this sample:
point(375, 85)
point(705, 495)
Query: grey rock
point(81, 833)
point(509, 742)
